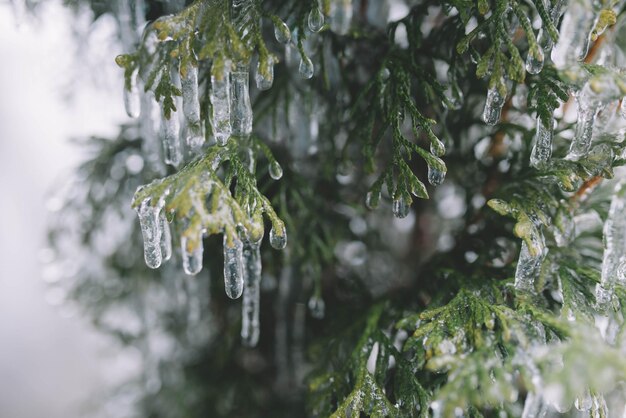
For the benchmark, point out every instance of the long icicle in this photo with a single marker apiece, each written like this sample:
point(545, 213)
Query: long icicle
point(233, 267)
point(251, 293)
point(191, 106)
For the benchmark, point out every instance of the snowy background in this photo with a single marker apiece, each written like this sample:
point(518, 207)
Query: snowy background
point(58, 81)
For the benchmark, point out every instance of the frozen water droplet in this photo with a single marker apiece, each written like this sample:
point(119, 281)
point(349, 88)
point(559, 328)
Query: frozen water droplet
point(264, 76)
point(306, 67)
point(151, 232)
point(191, 106)
point(132, 99)
point(282, 32)
point(372, 199)
point(493, 106)
point(340, 16)
point(220, 103)
point(241, 109)
point(166, 237)
point(400, 207)
point(317, 307)
point(278, 236)
point(534, 61)
point(542, 149)
point(192, 250)
point(170, 138)
point(316, 19)
point(435, 175)
point(251, 293)
point(276, 171)
point(233, 267)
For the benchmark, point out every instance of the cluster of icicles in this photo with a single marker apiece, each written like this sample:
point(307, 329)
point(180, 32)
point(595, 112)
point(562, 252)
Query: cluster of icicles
point(231, 116)
point(598, 92)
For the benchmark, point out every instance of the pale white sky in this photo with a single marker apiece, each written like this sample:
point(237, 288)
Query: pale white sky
point(51, 89)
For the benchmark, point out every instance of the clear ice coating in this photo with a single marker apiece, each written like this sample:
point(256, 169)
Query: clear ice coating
point(317, 307)
point(132, 99)
point(315, 20)
point(542, 148)
point(233, 267)
point(220, 104)
point(534, 61)
point(435, 175)
point(400, 207)
point(276, 171)
point(264, 75)
point(534, 406)
point(340, 16)
point(282, 32)
point(584, 128)
point(614, 237)
point(529, 265)
point(170, 138)
point(241, 108)
point(166, 237)
point(192, 256)
point(191, 106)
point(151, 232)
point(493, 106)
point(251, 293)
point(556, 10)
point(306, 68)
point(574, 35)
point(278, 236)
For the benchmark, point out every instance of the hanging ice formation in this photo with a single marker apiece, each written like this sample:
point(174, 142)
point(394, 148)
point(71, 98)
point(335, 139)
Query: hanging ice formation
point(169, 132)
point(241, 109)
point(575, 33)
point(535, 58)
point(191, 106)
point(532, 253)
point(220, 103)
point(132, 100)
point(496, 96)
point(542, 147)
point(614, 258)
point(251, 293)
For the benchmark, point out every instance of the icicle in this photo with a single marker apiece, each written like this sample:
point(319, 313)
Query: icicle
point(278, 236)
point(598, 407)
point(528, 265)
point(191, 106)
point(340, 16)
point(170, 138)
point(622, 108)
point(542, 149)
point(282, 32)
point(614, 232)
point(400, 207)
point(264, 76)
point(166, 237)
point(534, 406)
point(220, 102)
point(151, 232)
point(192, 250)
point(315, 20)
point(435, 175)
point(534, 61)
point(543, 37)
point(251, 293)
point(306, 68)
point(493, 105)
point(276, 171)
point(241, 109)
point(233, 267)
point(574, 35)
point(132, 99)
point(581, 143)
point(317, 307)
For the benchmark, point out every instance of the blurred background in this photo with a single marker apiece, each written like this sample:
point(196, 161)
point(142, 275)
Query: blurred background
point(58, 81)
